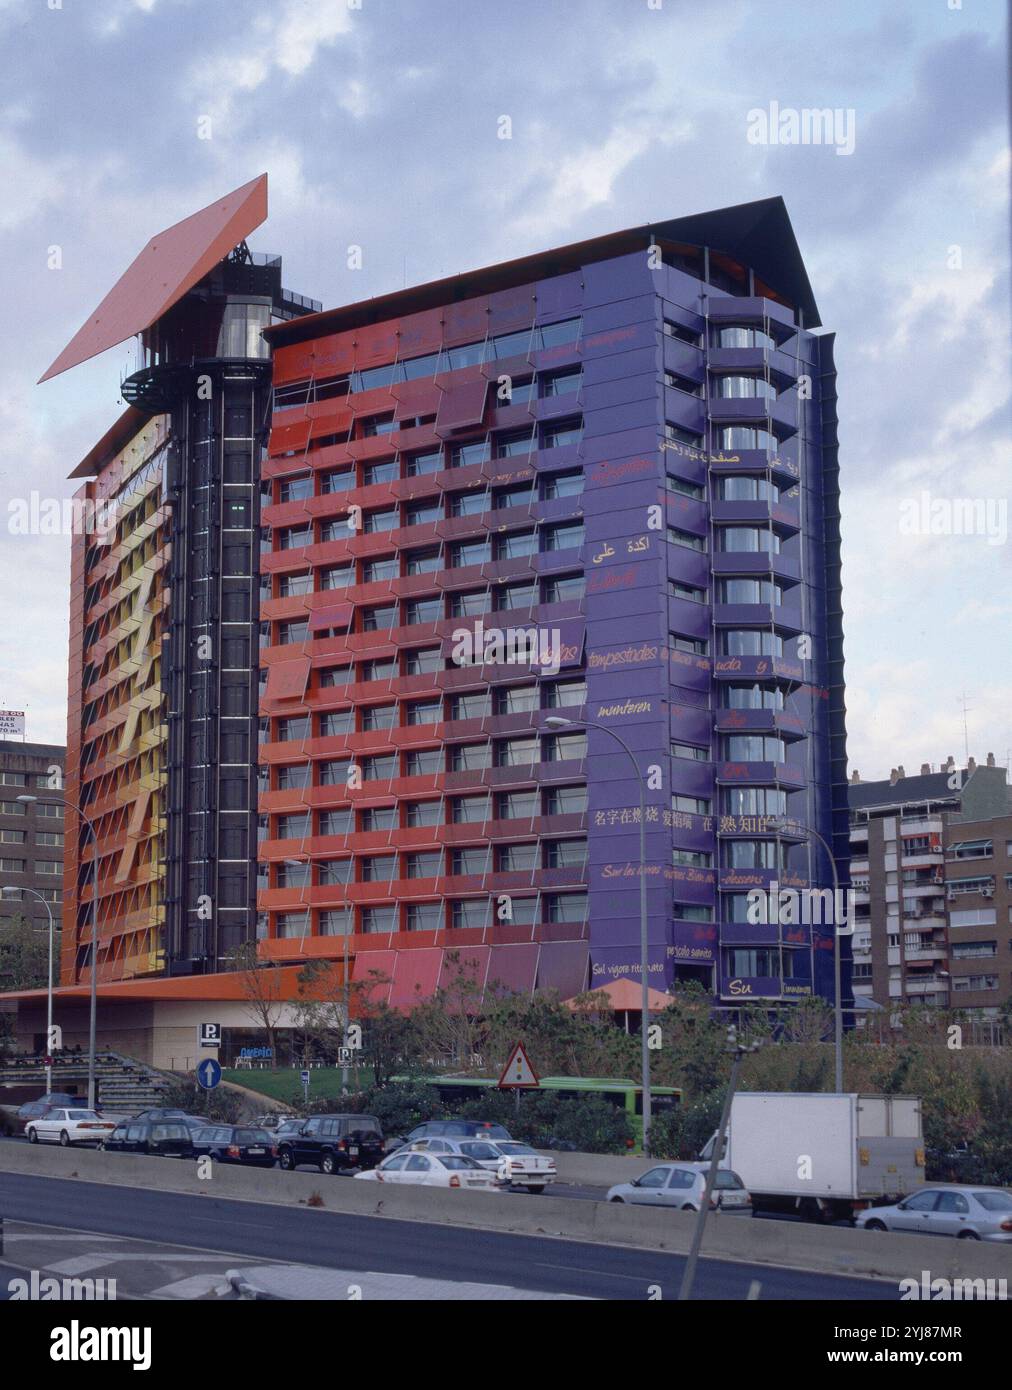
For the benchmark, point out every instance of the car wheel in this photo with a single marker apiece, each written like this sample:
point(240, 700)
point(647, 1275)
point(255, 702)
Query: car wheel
point(328, 1164)
point(689, 1207)
point(620, 1200)
point(33, 1138)
point(286, 1160)
point(536, 1188)
point(64, 1139)
point(875, 1226)
point(968, 1235)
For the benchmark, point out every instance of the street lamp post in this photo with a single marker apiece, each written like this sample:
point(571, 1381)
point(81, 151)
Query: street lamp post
point(49, 992)
point(780, 824)
point(556, 721)
point(27, 798)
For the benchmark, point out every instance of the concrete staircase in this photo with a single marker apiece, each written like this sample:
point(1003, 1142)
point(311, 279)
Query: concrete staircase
point(124, 1085)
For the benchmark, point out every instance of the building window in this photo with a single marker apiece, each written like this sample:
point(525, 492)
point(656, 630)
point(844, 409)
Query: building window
point(423, 610)
point(754, 748)
point(381, 618)
point(557, 436)
point(518, 752)
point(747, 489)
point(514, 859)
point(465, 455)
point(517, 805)
point(337, 921)
point(293, 775)
point(750, 540)
point(290, 585)
point(379, 717)
point(419, 464)
point(424, 712)
point(423, 513)
point(424, 916)
point(516, 597)
point(423, 762)
point(470, 912)
point(423, 813)
point(468, 503)
point(749, 591)
point(468, 757)
point(469, 862)
point(566, 536)
point(379, 868)
point(751, 642)
point(427, 865)
point(689, 750)
point(566, 907)
point(339, 822)
point(692, 805)
point(566, 854)
point(337, 722)
point(744, 388)
point(379, 919)
point(290, 729)
point(476, 706)
point(686, 539)
point(471, 810)
point(423, 661)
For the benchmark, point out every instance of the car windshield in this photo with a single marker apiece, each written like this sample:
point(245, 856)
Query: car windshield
point(251, 1136)
point(169, 1132)
point(458, 1161)
point(727, 1180)
point(368, 1124)
point(994, 1201)
point(81, 1115)
point(479, 1149)
point(513, 1146)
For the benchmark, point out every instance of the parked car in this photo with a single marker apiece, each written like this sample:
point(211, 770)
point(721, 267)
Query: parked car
point(236, 1144)
point(191, 1121)
point(680, 1186)
point(35, 1109)
point(514, 1164)
point(274, 1120)
point(166, 1138)
point(968, 1212)
point(433, 1170)
point(450, 1129)
point(287, 1128)
point(67, 1125)
point(332, 1143)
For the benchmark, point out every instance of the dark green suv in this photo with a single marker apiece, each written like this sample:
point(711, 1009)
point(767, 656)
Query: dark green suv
point(333, 1143)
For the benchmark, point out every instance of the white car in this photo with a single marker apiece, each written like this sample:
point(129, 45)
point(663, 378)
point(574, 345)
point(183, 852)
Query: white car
point(680, 1186)
point(65, 1126)
point(515, 1164)
point(432, 1170)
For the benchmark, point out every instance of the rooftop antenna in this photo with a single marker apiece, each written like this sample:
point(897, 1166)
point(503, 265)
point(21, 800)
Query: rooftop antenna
point(962, 701)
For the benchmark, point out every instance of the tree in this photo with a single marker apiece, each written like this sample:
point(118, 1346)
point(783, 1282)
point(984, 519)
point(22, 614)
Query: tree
point(260, 982)
point(24, 954)
point(320, 1009)
point(451, 1021)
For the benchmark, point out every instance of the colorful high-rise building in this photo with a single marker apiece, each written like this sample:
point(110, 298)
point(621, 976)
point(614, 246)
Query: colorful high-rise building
point(385, 618)
point(620, 456)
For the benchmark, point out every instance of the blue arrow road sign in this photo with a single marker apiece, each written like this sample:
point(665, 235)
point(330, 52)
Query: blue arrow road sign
point(209, 1073)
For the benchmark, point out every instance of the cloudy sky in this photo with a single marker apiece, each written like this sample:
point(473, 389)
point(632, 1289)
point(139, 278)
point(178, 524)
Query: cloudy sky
point(377, 121)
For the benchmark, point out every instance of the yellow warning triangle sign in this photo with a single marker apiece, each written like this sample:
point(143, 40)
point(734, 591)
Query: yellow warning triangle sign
point(518, 1072)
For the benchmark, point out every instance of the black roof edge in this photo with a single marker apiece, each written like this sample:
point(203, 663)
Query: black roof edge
point(757, 234)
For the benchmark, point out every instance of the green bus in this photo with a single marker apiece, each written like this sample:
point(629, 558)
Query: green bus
point(619, 1091)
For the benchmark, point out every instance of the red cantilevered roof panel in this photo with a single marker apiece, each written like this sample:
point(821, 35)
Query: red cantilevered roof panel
point(171, 263)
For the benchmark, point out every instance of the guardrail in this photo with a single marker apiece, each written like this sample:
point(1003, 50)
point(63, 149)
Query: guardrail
point(856, 1254)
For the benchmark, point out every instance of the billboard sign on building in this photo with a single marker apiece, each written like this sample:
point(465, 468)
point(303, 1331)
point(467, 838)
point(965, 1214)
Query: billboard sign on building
point(12, 723)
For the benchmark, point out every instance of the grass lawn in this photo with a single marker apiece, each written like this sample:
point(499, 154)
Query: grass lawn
point(285, 1085)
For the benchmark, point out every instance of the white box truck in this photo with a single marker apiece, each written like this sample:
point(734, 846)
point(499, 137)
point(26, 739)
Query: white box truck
point(823, 1156)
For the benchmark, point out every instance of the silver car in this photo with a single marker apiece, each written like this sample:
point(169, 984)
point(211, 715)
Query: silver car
point(968, 1212)
point(680, 1186)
